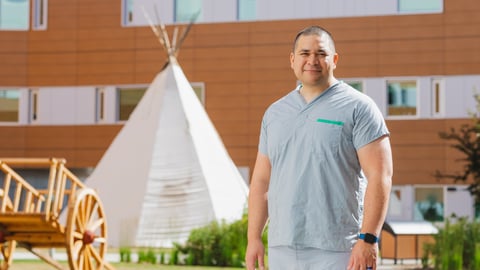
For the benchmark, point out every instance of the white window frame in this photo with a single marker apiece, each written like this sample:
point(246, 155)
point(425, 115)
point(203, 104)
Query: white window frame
point(185, 20)
point(39, 14)
point(417, 96)
point(23, 27)
point(126, 13)
point(442, 187)
point(201, 95)
point(33, 104)
point(438, 97)
point(427, 11)
point(19, 108)
point(119, 88)
point(245, 19)
point(360, 81)
point(100, 111)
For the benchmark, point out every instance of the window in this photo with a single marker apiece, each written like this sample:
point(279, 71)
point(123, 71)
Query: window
point(128, 99)
point(9, 105)
point(100, 104)
point(40, 14)
point(395, 207)
point(33, 105)
point(127, 12)
point(438, 98)
point(14, 14)
point(356, 84)
point(199, 89)
point(420, 6)
point(402, 98)
point(185, 10)
point(429, 204)
point(246, 10)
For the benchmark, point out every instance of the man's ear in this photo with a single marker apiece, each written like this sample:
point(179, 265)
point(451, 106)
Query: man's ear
point(335, 59)
point(292, 57)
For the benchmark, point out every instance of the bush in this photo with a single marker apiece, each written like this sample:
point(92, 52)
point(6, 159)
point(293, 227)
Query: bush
point(456, 247)
point(125, 254)
point(217, 244)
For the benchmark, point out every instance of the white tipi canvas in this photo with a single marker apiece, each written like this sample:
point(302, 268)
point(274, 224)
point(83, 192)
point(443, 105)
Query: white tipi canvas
point(167, 171)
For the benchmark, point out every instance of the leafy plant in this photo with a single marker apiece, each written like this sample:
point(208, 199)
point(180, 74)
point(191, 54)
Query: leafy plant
point(217, 244)
point(125, 254)
point(466, 139)
point(456, 247)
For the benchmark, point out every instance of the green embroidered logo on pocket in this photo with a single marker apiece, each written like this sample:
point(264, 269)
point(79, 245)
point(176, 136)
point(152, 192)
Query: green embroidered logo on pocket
point(338, 123)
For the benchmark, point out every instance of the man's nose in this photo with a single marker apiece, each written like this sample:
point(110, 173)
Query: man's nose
point(312, 59)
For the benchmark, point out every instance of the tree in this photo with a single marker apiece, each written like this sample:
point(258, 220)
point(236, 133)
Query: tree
point(466, 139)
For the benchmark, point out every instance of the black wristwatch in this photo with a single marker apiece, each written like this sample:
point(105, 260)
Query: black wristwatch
point(368, 238)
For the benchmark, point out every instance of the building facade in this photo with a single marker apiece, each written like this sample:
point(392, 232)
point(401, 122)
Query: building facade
point(72, 71)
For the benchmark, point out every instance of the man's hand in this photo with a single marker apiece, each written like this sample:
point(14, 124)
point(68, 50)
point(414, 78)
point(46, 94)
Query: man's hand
point(364, 256)
point(255, 252)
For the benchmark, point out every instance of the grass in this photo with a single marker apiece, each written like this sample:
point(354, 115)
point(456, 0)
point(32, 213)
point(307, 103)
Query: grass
point(40, 265)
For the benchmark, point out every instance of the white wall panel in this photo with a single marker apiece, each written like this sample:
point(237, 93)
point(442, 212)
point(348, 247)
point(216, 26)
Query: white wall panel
point(424, 97)
point(220, 11)
point(111, 101)
point(84, 98)
point(164, 9)
point(376, 89)
point(23, 106)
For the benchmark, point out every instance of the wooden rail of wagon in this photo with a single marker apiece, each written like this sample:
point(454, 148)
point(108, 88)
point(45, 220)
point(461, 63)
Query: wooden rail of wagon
point(67, 214)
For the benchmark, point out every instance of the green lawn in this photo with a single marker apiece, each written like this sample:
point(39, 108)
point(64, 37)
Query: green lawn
point(40, 265)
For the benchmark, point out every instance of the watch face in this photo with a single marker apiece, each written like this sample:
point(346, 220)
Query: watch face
point(370, 238)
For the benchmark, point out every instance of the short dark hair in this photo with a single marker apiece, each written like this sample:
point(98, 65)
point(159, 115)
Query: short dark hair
point(314, 30)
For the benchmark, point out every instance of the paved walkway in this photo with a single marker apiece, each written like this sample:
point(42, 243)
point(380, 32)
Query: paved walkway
point(401, 264)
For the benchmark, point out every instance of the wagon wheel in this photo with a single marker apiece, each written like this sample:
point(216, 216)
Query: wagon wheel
point(86, 232)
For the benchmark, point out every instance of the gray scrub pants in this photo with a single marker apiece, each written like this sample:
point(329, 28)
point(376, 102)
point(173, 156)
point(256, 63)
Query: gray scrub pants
point(290, 258)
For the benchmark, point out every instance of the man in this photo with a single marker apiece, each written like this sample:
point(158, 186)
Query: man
point(323, 170)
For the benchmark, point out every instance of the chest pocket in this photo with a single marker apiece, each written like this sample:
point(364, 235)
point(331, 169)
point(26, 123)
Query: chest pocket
point(324, 137)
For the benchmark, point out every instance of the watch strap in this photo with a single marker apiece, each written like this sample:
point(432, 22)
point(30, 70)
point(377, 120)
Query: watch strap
point(368, 238)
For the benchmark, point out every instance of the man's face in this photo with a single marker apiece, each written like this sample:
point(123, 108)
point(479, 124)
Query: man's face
point(313, 60)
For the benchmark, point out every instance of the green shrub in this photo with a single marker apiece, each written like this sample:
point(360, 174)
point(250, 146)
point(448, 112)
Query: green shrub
point(174, 256)
point(151, 257)
point(142, 256)
point(125, 254)
point(456, 247)
point(217, 244)
point(162, 257)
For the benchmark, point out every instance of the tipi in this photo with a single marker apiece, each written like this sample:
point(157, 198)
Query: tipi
point(167, 171)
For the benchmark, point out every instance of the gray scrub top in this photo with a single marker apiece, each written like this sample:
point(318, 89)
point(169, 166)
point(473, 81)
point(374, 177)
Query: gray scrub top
point(317, 187)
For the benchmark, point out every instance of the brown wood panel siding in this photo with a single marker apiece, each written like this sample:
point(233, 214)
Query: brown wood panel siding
point(418, 151)
point(13, 55)
point(82, 146)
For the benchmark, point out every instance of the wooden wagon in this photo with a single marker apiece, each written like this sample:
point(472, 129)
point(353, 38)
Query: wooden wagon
point(66, 214)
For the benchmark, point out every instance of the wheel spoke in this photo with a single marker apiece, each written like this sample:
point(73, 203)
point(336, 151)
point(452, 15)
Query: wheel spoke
point(77, 248)
point(93, 215)
point(101, 240)
point(88, 208)
point(79, 224)
point(81, 258)
point(77, 235)
point(95, 255)
point(95, 224)
point(81, 213)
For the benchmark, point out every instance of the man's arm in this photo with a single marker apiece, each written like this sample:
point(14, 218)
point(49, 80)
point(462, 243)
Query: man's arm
point(376, 162)
point(257, 211)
